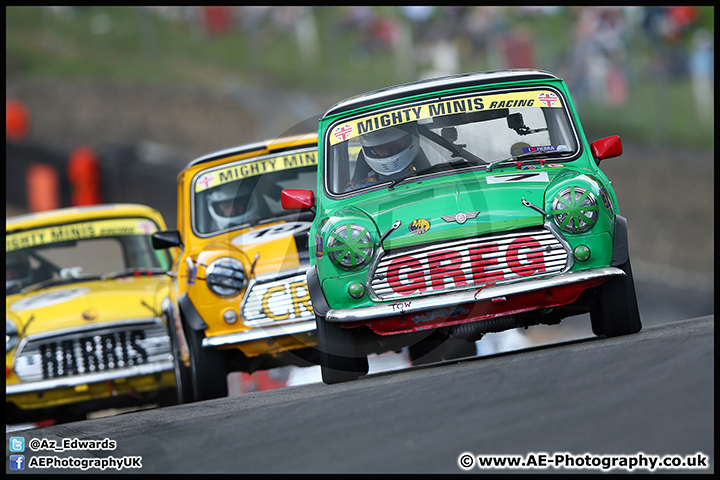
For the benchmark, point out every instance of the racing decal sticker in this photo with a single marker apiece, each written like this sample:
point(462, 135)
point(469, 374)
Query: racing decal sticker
point(549, 99)
point(343, 132)
point(359, 126)
point(605, 199)
point(419, 226)
point(271, 232)
point(79, 231)
point(546, 148)
point(49, 299)
point(238, 171)
point(319, 246)
point(191, 271)
point(519, 177)
point(547, 165)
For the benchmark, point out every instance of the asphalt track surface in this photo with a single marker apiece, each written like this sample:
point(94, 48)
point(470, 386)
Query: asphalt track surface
point(648, 394)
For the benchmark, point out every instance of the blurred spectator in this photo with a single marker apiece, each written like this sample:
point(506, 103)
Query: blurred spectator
point(373, 32)
point(357, 17)
point(445, 60)
point(420, 17)
point(596, 69)
point(306, 33)
point(678, 20)
point(485, 26)
point(516, 49)
point(218, 19)
point(702, 67)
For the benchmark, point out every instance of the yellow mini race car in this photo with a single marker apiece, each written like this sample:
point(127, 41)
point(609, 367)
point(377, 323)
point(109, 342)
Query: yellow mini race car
point(239, 299)
point(83, 325)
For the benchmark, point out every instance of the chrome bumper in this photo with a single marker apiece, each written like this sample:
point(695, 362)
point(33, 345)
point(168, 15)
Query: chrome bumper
point(421, 304)
point(135, 371)
point(258, 333)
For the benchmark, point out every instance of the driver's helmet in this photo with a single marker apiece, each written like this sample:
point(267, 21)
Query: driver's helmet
point(391, 150)
point(230, 204)
point(17, 270)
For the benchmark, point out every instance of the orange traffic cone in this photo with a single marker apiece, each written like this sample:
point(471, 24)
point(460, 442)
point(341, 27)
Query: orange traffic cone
point(83, 171)
point(43, 188)
point(17, 120)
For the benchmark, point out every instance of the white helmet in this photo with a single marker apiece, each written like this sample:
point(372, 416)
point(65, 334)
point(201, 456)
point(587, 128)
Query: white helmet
point(229, 204)
point(391, 150)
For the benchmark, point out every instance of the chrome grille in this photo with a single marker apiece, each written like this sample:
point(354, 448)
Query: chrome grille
point(277, 301)
point(91, 351)
point(468, 263)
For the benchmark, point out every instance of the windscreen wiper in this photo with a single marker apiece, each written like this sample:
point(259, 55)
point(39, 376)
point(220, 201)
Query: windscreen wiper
point(538, 153)
point(54, 282)
point(438, 167)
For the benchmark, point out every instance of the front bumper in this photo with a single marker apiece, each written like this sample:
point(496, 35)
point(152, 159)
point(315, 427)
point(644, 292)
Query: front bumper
point(259, 333)
point(421, 313)
point(75, 381)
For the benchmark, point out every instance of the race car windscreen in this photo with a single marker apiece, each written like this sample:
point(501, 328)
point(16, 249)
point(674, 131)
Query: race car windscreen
point(248, 191)
point(380, 147)
point(79, 251)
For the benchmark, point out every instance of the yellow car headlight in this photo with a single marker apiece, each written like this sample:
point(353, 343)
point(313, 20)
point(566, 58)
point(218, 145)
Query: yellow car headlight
point(11, 334)
point(225, 276)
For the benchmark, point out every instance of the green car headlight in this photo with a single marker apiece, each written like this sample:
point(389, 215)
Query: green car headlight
point(11, 334)
point(350, 246)
point(225, 276)
point(574, 209)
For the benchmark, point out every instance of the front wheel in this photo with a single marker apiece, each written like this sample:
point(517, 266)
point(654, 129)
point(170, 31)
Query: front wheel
point(208, 370)
point(183, 379)
point(617, 310)
point(340, 357)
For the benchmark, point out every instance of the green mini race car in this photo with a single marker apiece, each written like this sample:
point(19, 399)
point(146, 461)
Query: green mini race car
point(457, 206)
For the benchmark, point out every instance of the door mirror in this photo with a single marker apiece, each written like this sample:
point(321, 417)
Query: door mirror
point(606, 148)
point(166, 239)
point(297, 199)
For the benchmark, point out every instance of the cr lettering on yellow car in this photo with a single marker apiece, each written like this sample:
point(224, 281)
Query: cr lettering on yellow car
point(84, 328)
point(239, 299)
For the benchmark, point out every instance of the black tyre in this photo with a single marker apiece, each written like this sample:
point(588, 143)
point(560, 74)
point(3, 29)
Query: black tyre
point(435, 349)
point(208, 370)
point(340, 358)
point(183, 379)
point(617, 310)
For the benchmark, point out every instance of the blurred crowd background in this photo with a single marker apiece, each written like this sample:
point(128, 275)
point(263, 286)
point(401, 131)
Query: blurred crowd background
point(646, 69)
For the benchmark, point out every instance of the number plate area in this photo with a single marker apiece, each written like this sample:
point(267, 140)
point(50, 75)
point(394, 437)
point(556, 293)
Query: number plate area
point(92, 351)
point(277, 301)
point(468, 263)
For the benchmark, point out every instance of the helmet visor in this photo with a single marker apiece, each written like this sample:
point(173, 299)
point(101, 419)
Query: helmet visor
point(388, 149)
point(231, 207)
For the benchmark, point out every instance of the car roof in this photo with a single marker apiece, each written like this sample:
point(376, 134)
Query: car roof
point(440, 83)
point(276, 145)
point(75, 214)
